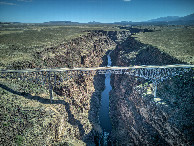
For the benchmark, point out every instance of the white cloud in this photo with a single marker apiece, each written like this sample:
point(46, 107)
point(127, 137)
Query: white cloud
point(126, 0)
point(5, 3)
point(24, 0)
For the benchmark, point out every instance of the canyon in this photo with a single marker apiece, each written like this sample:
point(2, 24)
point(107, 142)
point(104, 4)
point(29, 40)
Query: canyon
point(73, 117)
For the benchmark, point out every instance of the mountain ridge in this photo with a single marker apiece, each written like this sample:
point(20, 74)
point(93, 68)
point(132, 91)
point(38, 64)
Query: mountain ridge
point(189, 17)
point(168, 18)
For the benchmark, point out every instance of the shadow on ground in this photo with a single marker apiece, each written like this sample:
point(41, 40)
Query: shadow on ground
point(71, 118)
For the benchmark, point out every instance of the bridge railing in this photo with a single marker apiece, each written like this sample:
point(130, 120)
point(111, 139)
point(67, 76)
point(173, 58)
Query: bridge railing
point(51, 77)
point(99, 68)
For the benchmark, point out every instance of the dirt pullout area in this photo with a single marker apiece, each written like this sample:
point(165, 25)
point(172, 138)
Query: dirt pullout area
point(137, 117)
point(26, 113)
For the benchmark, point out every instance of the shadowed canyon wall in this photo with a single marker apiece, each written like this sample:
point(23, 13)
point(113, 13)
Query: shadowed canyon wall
point(137, 117)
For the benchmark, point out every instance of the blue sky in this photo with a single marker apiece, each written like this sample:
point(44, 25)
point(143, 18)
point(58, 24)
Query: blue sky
point(91, 10)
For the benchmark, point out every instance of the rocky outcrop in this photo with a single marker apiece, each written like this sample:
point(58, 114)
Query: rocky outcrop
point(137, 117)
point(72, 118)
point(81, 92)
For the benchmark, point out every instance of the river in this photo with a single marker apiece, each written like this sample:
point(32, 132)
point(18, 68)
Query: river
point(104, 118)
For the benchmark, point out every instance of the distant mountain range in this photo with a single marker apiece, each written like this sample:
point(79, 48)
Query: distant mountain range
point(168, 18)
point(173, 18)
point(60, 22)
point(187, 18)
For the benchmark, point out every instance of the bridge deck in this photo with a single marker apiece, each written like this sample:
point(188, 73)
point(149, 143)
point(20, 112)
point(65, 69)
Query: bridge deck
point(98, 68)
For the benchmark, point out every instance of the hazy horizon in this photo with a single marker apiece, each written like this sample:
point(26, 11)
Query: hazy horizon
point(104, 11)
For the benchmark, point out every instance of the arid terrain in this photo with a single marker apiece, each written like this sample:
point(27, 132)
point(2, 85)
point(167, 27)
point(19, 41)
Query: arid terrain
point(28, 118)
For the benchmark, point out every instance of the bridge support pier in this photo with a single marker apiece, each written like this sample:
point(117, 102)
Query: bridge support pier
point(155, 89)
point(51, 93)
point(50, 87)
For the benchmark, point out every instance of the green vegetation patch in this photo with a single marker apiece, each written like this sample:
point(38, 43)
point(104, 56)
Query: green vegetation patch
point(15, 47)
point(19, 44)
point(176, 41)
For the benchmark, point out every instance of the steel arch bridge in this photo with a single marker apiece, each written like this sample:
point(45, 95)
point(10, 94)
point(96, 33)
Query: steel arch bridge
point(52, 77)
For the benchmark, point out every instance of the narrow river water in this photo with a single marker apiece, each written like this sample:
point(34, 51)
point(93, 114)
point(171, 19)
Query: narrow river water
point(104, 118)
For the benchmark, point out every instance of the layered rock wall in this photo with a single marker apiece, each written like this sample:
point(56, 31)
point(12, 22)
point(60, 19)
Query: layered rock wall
point(137, 119)
point(81, 92)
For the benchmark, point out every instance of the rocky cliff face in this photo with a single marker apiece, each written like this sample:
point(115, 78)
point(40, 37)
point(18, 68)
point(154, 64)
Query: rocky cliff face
point(72, 118)
point(82, 91)
point(79, 52)
point(137, 117)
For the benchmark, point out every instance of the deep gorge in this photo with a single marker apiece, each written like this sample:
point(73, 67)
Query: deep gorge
point(136, 118)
